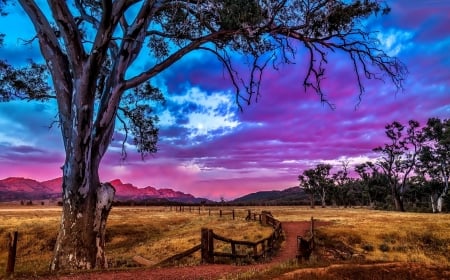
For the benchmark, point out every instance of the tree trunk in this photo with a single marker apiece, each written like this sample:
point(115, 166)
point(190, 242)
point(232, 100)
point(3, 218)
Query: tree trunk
point(434, 202)
point(398, 202)
point(440, 203)
point(440, 200)
point(81, 239)
point(311, 200)
point(322, 198)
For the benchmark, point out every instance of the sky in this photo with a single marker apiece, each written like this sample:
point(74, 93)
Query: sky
point(209, 148)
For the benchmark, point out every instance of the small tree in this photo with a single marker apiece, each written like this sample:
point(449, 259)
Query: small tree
point(342, 185)
point(317, 181)
point(90, 47)
point(435, 160)
point(308, 187)
point(399, 157)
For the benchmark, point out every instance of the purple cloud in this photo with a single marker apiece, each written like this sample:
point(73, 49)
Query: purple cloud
point(209, 148)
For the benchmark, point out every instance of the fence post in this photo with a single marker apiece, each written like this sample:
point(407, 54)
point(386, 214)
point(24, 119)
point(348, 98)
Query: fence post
point(210, 246)
point(220, 213)
point(205, 245)
point(312, 232)
point(263, 219)
point(207, 242)
point(255, 251)
point(12, 246)
point(233, 250)
point(204, 242)
point(233, 214)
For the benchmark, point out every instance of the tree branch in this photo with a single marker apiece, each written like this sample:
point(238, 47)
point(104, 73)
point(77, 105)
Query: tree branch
point(70, 33)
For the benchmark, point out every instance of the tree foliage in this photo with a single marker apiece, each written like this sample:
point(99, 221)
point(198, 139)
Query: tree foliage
point(317, 182)
point(400, 156)
point(411, 172)
point(435, 160)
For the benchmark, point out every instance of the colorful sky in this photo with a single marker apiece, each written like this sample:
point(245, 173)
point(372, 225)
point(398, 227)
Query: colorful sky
point(210, 149)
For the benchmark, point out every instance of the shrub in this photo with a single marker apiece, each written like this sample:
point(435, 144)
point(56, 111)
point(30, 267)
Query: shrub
point(384, 247)
point(367, 247)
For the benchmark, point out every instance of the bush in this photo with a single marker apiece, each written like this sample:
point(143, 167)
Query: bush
point(384, 247)
point(367, 247)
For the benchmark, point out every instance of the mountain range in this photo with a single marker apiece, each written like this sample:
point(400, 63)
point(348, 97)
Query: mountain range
point(19, 189)
point(23, 189)
point(290, 196)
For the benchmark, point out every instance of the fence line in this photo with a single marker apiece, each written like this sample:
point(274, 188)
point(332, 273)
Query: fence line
point(267, 244)
point(259, 248)
point(233, 213)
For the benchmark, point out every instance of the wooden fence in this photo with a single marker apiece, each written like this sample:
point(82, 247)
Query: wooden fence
point(217, 210)
point(202, 210)
point(259, 248)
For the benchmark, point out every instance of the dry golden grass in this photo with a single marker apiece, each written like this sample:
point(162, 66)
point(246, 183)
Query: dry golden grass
point(156, 233)
point(382, 235)
point(419, 240)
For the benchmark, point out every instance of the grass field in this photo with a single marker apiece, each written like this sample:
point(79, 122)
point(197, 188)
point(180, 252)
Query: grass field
point(156, 233)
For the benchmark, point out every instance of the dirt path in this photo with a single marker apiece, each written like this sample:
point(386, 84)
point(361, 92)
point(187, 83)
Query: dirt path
point(213, 271)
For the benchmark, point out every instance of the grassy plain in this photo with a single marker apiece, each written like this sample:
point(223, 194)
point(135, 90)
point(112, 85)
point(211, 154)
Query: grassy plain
point(156, 233)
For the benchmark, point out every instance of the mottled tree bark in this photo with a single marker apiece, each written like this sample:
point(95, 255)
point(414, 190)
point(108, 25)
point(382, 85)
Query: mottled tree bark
point(81, 239)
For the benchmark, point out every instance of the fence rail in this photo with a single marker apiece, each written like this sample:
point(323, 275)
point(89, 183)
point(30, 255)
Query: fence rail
point(181, 255)
point(259, 248)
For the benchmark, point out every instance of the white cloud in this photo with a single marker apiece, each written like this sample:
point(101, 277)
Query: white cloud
point(215, 114)
point(337, 163)
point(394, 41)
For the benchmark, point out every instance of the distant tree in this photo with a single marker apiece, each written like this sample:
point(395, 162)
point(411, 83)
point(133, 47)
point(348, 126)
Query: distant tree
point(374, 184)
point(399, 157)
point(90, 47)
point(317, 181)
point(342, 185)
point(308, 187)
point(435, 160)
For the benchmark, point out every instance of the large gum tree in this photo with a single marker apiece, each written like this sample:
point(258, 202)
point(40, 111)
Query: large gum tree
point(90, 47)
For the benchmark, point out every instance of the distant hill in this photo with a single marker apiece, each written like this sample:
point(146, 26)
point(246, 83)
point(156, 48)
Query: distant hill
point(126, 191)
point(17, 189)
point(290, 196)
